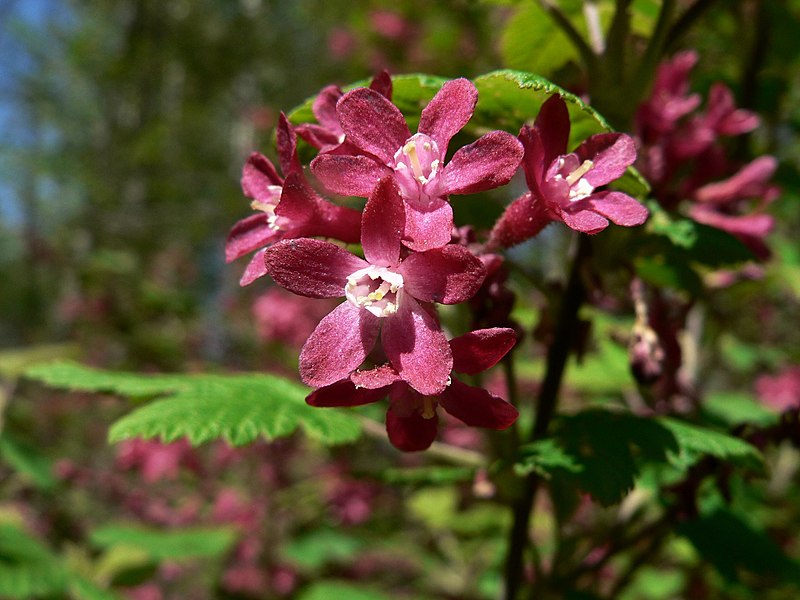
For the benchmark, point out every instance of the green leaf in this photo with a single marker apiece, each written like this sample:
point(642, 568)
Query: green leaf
point(608, 450)
point(335, 590)
point(167, 545)
point(13, 363)
point(669, 270)
point(544, 457)
point(695, 442)
point(433, 475)
point(531, 42)
point(733, 408)
point(321, 547)
point(506, 100)
point(28, 581)
point(28, 461)
point(731, 545)
point(237, 408)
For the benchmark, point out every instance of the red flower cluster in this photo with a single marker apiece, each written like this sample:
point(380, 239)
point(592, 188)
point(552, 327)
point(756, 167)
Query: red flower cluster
point(385, 338)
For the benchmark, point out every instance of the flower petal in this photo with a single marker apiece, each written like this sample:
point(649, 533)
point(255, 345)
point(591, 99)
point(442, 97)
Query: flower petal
point(251, 233)
point(382, 83)
point(416, 347)
point(372, 123)
point(477, 407)
point(287, 146)
point(258, 174)
point(310, 267)
point(449, 110)
point(447, 275)
point(487, 163)
point(523, 218)
point(372, 379)
point(338, 345)
point(585, 221)
point(411, 433)
point(610, 153)
point(479, 350)
point(324, 108)
point(552, 124)
point(748, 182)
point(428, 228)
point(348, 175)
point(382, 224)
point(298, 200)
point(344, 393)
point(255, 269)
point(618, 207)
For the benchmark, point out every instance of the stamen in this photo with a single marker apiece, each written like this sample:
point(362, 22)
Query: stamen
point(411, 150)
point(428, 407)
point(579, 172)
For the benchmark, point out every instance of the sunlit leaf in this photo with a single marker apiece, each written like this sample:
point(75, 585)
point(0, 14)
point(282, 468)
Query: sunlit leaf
point(335, 590)
point(237, 408)
point(169, 544)
point(321, 547)
point(27, 460)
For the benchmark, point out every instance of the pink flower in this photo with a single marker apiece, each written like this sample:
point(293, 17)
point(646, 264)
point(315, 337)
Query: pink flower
point(327, 134)
point(386, 148)
point(782, 391)
point(286, 209)
point(411, 421)
point(286, 318)
point(562, 186)
point(156, 460)
point(386, 293)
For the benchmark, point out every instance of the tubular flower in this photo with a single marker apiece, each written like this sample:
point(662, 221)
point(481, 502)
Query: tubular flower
point(385, 293)
point(562, 186)
point(386, 147)
point(411, 420)
point(285, 208)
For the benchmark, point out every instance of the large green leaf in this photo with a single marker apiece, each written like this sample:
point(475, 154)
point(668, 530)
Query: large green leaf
point(237, 408)
point(167, 545)
point(603, 452)
point(506, 100)
point(322, 546)
point(28, 569)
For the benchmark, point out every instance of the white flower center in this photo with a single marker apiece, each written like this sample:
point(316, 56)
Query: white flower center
point(416, 165)
point(572, 173)
point(268, 205)
point(375, 289)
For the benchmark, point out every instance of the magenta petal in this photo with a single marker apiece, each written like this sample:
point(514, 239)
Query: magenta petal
point(417, 348)
point(348, 175)
point(586, 221)
point(344, 393)
point(382, 224)
point(372, 123)
point(610, 153)
point(477, 407)
point(317, 135)
point(428, 228)
point(748, 182)
point(552, 124)
point(378, 377)
point(324, 108)
point(382, 83)
point(338, 345)
point(487, 163)
point(447, 275)
point(618, 207)
point(449, 110)
point(251, 233)
point(255, 269)
point(310, 267)
point(257, 175)
point(479, 350)
point(298, 200)
point(411, 433)
point(533, 162)
point(287, 146)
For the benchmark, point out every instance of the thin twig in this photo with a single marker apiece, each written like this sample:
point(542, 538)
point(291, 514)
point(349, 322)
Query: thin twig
point(557, 355)
point(685, 21)
point(562, 21)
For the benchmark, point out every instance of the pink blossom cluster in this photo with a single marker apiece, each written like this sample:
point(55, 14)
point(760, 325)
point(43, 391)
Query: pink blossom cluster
point(385, 339)
point(683, 156)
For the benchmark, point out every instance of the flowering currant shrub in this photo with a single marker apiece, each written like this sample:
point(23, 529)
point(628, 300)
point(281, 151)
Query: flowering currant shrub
point(386, 338)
